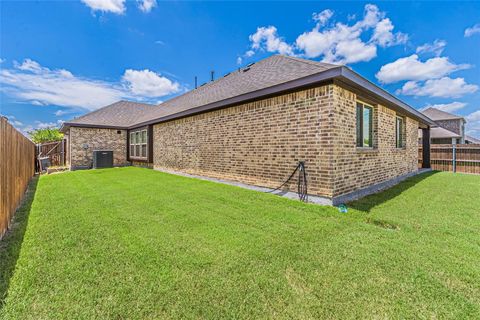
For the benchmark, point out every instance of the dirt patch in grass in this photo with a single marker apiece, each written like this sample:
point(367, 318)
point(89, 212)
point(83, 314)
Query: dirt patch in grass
point(383, 224)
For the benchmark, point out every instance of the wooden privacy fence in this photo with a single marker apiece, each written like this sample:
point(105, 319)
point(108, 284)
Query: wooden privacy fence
point(55, 151)
point(17, 167)
point(463, 158)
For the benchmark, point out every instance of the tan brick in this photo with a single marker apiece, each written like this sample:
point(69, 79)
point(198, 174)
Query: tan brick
point(261, 142)
point(96, 139)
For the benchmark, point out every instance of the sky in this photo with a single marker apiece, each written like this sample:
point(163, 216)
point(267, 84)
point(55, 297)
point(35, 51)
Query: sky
point(62, 59)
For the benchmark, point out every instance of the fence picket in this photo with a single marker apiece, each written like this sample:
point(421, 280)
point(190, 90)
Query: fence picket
point(463, 158)
point(17, 167)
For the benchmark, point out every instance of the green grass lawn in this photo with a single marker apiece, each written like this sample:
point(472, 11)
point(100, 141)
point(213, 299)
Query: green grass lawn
point(134, 243)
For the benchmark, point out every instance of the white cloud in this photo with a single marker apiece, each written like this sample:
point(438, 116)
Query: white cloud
point(473, 124)
point(322, 17)
point(147, 5)
point(14, 121)
point(339, 43)
point(33, 83)
point(42, 86)
point(326, 43)
point(445, 87)
point(2, 60)
point(447, 107)
point(43, 125)
point(343, 43)
point(384, 36)
point(352, 51)
point(239, 60)
point(472, 30)
point(267, 39)
point(59, 113)
point(474, 116)
point(114, 6)
point(149, 84)
point(411, 68)
point(436, 47)
point(29, 65)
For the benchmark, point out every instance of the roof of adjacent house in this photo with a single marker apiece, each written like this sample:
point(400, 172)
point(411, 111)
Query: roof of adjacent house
point(265, 78)
point(439, 133)
point(472, 139)
point(436, 114)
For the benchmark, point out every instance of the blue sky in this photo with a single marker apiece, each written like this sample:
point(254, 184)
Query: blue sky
point(60, 59)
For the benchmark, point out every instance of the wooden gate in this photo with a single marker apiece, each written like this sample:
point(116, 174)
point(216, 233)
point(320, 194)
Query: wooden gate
point(55, 151)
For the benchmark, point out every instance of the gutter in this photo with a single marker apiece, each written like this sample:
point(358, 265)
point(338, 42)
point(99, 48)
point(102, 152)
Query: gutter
point(65, 125)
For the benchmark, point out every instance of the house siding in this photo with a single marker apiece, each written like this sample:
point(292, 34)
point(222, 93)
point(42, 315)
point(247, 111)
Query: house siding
point(96, 139)
point(257, 143)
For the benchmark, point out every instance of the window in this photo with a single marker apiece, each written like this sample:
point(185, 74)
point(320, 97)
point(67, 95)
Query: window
point(138, 144)
point(364, 125)
point(399, 132)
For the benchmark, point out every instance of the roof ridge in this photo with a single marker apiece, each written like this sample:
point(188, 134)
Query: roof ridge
point(308, 61)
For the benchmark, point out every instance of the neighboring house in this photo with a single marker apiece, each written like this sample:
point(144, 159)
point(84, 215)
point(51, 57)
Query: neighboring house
point(450, 130)
point(471, 140)
point(254, 125)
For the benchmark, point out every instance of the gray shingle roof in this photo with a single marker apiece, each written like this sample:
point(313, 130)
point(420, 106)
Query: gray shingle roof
point(436, 114)
point(439, 132)
point(118, 114)
point(272, 71)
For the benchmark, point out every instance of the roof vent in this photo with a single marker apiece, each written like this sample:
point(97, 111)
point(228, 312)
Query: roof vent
point(250, 64)
point(203, 84)
point(246, 69)
point(226, 74)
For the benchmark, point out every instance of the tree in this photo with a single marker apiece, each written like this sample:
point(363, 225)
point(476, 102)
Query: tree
point(45, 135)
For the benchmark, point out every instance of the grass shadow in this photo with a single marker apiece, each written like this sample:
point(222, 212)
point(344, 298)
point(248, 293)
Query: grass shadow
point(367, 203)
point(12, 241)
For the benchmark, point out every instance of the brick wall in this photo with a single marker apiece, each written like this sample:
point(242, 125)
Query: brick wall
point(258, 143)
point(261, 142)
point(451, 125)
point(357, 167)
point(96, 139)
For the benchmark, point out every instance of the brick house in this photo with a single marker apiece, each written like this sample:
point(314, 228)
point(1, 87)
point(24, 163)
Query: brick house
point(254, 125)
point(450, 128)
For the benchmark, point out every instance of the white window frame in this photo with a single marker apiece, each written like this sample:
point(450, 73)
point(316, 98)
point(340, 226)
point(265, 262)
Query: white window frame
point(138, 138)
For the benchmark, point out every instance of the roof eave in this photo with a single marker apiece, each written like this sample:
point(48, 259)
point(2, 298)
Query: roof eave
point(66, 125)
point(354, 78)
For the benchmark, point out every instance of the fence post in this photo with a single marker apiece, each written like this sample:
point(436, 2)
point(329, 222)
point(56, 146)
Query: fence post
point(62, 156)
point(454, 160)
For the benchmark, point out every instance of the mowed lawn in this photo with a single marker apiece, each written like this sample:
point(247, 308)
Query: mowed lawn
point(134, 243)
